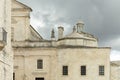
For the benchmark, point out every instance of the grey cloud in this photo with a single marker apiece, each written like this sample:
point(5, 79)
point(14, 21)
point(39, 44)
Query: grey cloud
point(101, 17)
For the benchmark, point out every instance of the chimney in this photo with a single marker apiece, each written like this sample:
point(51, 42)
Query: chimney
point(80, 25)
point(60, 32)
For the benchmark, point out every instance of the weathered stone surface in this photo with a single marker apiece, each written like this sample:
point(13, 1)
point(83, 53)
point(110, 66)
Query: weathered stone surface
point(115, 70)
point(6, 54)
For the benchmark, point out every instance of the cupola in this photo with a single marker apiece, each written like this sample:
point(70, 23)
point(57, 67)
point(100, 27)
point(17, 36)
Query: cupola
point(78, 37)
point(80, 25)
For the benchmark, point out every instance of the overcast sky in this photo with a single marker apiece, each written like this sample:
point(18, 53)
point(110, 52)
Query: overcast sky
point(101, 18)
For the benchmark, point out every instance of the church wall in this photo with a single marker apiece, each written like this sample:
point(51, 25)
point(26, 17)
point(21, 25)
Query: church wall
point(26, 60)
point(54, 59)
point(21, 28)
point(92, 58)
point(20, 22)
point(78, 42)
point(19, 67)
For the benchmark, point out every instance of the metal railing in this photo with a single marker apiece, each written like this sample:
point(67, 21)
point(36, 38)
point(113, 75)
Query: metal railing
point(3, 35)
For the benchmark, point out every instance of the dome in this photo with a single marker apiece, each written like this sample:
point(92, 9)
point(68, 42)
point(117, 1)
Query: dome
point(79, 39)
point(74, 35)
point(80, 35)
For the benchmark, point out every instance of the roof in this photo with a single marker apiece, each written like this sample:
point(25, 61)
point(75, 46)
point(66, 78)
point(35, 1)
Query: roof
point(83, 35)
point(35, 36)
point(115, 63)
point(19, 5)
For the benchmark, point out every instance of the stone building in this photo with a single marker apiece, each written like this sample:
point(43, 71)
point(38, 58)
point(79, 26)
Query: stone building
point(6, 55)
point(115, 70)
point(75, 56)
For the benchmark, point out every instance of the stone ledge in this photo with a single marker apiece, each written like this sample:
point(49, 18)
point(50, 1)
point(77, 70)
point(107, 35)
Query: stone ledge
point(37, 73)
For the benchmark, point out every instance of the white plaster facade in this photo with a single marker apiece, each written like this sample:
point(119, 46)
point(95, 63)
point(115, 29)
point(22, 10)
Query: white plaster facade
point(6, 54)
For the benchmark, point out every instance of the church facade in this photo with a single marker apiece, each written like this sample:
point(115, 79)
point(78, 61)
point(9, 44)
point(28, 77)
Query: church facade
point(74, 56)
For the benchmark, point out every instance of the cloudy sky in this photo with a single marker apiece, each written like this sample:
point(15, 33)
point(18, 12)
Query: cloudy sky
point(101, 18)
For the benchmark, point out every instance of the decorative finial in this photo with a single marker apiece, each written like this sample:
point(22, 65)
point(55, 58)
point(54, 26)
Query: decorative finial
point(52, 33)
point(74, 29)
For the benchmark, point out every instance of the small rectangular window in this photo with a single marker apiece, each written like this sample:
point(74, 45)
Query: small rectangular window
point(39, 64)
point(65, 70)
point(41, 78)
point(83, 70)
point(101, 70)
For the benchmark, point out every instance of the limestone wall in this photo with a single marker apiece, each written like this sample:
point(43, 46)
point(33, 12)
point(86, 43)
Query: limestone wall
point(54, 58)
point(26, 63)
point(91, 57)
point(20, 21)
point(115, 70)
point(6, 55)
